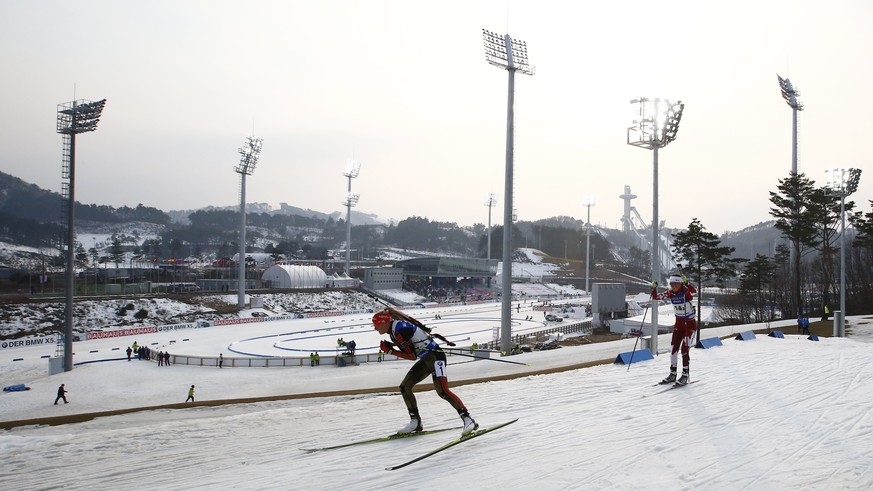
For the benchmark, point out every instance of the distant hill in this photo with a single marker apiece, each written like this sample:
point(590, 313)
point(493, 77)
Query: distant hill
point(31, 216)
point(358, 218)
point(29, 202)
point(761, 238)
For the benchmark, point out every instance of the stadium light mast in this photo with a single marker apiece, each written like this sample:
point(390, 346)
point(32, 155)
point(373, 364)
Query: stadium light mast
point(490, 202)
point(74, 117)
point(353, 168)
point(588, 201)
point(790, 94)
point(249, 153)
point(510, 55)
point(842, 183)
point(655, 126)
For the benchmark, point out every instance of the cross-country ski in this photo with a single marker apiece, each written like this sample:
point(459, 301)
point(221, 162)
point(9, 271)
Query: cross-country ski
point(395, 436)
point(669, 387)
point(451, 444)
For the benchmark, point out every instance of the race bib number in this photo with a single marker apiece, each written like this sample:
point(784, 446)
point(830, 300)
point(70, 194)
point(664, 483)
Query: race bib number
point(439, 369)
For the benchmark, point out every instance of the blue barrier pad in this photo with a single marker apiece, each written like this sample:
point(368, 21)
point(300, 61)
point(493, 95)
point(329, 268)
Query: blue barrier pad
point(813, 338)
point(745, 336)
point(777, 334)
point(708, 343)
point(633, 357)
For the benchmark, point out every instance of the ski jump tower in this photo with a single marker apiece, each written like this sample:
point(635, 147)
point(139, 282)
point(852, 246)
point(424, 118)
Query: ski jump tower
point(627, 226)
point(626, 223)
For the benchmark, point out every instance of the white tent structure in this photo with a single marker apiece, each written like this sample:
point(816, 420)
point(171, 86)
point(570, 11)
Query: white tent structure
point(294, 276)
point(343, 281)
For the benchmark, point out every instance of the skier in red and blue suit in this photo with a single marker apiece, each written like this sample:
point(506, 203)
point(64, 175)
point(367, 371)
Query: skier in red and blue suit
point(680, 295)
point(413, 341)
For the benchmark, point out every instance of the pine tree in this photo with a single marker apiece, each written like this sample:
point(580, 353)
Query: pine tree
point(794, 213)
point(704, 255)
point(756, 287)
point(116, 253)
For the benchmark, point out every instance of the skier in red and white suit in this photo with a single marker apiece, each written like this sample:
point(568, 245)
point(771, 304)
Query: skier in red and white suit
point(680, 295)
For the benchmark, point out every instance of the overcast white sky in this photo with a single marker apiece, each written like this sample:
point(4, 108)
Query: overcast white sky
point(404, 88)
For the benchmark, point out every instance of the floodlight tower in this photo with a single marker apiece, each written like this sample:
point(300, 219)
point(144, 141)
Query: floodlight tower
point(353, 168)
point(74, 117)
point(490, 202)
point(842, 183)
point(655, 126)
point(588, 201)
point(249, 153)
point(790, 94)
point(510, 55)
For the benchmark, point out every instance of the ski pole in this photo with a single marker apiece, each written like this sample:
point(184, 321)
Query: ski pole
point(638, 338)
point(489, 359)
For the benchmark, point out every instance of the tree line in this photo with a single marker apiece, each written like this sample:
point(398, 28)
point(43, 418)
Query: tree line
point(787, 284)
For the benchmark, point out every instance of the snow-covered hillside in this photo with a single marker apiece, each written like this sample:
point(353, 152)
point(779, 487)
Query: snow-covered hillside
point(766, 413)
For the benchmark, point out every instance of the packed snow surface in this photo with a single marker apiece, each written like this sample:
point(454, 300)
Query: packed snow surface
point(766, 413)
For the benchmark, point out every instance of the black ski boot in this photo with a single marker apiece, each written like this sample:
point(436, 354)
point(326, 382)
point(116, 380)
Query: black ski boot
point(684, 378)
point(670, 378)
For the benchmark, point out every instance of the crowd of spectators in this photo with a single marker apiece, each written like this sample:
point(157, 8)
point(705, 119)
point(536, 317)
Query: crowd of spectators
point(447, 294)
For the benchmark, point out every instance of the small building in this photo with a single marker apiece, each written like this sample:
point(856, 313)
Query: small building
point(294, 276)
point(608, 302)
point(443, 271)
point(383, 278)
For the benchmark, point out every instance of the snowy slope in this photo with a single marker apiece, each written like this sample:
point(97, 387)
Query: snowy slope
point(766, 414)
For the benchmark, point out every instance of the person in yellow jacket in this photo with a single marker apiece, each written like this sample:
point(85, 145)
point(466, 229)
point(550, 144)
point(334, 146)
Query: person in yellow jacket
point(190, 394)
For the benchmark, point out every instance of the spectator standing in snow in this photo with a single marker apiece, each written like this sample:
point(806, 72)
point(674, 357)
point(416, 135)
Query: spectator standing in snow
point(680, 295)
point(317, 359)
point(805, 325)
point(220, 360)
point(166, 358)
point(190, 394)
point(61, 395)
point(129, 352)
point(160, 358)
